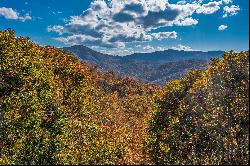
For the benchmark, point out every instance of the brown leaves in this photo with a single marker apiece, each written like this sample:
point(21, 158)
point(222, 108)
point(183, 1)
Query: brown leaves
point(212, 112)
point(62, 102)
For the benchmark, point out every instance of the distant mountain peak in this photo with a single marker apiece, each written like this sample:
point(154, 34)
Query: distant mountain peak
point(147, 67)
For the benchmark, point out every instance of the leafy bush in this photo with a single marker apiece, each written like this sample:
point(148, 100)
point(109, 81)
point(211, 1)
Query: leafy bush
point(54, 111)
point(204, 117)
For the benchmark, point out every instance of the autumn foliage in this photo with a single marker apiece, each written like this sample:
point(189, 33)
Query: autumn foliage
point(55, 109)
point(203, 118)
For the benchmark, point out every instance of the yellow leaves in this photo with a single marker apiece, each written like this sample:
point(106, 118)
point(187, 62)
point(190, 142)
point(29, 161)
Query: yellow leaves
point(165, 148)
point(201, 82)
point(66, 103)
point(4, 160)
point(234, 142)
point(213, 114)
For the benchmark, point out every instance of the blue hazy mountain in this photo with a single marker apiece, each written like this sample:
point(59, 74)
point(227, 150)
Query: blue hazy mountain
point(156, 67)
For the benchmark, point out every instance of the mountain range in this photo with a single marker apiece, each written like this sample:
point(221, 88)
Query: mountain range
point(156, 67)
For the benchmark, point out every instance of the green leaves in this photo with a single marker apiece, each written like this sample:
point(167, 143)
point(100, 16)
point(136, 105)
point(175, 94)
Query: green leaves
point(54, 110)
point(198, 115)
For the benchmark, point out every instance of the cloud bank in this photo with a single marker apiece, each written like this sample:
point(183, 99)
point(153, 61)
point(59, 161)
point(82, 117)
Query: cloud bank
point(230, 10)
point(114, 23)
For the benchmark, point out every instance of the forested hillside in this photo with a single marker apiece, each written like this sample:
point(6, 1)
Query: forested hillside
point(156, 67)
point(55, 109)
point(203, 118)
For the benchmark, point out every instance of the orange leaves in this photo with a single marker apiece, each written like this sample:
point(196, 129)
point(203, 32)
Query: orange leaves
point(205, 116)
point(76, 114)
point(105, 127)
point(28, 86)
point(65, 98)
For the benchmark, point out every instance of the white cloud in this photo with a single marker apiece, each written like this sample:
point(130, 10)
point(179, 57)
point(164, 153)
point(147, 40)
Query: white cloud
point(25, 17)
point(120, 22)
point(209, 8)
point(117, 51)
point(212, 6)
point(182, 47)
point(182, 2)
point(115, 23)
point(126, 21)
point(230, 11)
point(222, 27)
point(75, 39)
point(89, 40)
point(56, 28)
point(227, 1)
point(160, 48)
point(95, 47)
point(179, 47)
point(164, 35)
point(187, 22)
point(9, 13)
point(148, 48)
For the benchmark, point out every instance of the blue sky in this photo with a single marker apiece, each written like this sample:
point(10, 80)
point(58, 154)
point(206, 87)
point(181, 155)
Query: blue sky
point(123, 27)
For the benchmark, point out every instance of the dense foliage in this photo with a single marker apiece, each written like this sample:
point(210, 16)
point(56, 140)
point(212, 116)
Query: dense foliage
point(203, 118)
point(56, 109)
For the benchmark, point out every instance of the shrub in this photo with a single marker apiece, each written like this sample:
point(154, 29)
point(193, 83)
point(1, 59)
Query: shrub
point(55, 109)
point(204, 118)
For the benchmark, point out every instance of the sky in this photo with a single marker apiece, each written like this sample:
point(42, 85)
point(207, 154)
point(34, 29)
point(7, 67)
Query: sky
point(122, 27)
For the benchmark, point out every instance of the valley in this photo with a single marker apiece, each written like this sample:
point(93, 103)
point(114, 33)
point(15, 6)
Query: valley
point(157, 67)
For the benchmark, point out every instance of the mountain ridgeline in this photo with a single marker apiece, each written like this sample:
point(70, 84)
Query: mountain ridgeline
point(148, 67)
point(56, 109)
